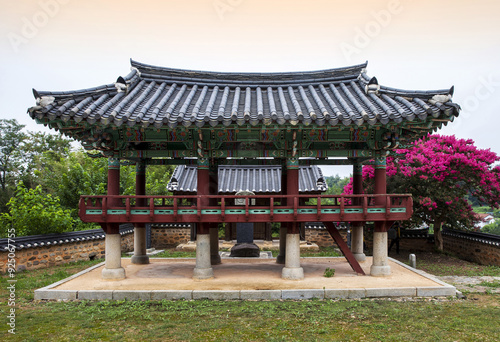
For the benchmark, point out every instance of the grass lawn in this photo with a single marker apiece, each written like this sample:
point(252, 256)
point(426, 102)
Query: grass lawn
point(476, 318)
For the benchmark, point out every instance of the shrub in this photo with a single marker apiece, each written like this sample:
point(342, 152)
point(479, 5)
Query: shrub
point(329, 272)
point(31, 212)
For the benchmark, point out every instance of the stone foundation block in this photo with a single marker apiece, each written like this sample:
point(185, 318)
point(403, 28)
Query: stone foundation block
point(260, 294)
point(131, 295)
point(171, 294)
point(437, 291)
point(95, 295)
point(303, 294)
point(391, 292)
point(216, 295)
point(55, 294)
point(345, 293)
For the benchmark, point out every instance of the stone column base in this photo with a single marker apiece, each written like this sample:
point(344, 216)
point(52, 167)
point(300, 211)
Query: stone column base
point(113, 273)
point(140, 259)
point(203, 273)
point(292, 273)
point(360, 257)
point(380, 271)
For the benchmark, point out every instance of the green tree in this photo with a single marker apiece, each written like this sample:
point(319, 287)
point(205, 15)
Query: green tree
point(157, 178)
point(32, 212)
point(39, 149)
point(492, 228)
point(77, 174)
point(72, 176)
point(336, 184)
point(11, 157)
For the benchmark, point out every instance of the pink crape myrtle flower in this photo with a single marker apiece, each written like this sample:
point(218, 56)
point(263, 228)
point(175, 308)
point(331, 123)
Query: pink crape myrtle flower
point(441, 172)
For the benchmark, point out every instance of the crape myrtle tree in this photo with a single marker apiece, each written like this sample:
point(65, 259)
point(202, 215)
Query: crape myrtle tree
point(440, 172)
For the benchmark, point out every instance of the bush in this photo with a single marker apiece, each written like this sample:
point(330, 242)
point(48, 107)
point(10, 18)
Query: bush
point(493, 228)
point(31, 212)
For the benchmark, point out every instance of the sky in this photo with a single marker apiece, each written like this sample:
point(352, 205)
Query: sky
point(409, 44)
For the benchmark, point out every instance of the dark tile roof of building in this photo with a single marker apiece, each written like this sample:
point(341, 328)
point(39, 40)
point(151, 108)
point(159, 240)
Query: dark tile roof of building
point(258, 179)
point(156, 96)
point(31, 241)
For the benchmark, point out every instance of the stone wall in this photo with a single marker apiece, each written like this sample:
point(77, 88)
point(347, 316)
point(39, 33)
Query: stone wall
point(52, 255)
point(472, 250)
point(322, 238)
point(421, 244)
point(169, 237)
point(464, 247)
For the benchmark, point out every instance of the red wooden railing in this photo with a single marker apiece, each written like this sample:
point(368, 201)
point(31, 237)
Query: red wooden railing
point(268, 208)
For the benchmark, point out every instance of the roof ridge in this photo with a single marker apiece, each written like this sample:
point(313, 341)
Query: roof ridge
point(152, 71)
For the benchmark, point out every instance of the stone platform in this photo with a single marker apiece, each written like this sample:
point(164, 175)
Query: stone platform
point(256, 279)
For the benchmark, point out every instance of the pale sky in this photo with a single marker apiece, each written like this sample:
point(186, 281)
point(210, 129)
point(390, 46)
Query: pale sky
point(424, 45)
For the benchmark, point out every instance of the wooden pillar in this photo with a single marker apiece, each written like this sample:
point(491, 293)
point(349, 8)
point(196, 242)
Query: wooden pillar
point(292, 182)
point(227, 231)
point(280, 259)
point(114, 180)
point(112, 269)
point(357, 227)
point(203, 269)
point(292, 269)
point(214, 227)
point(140, 255)
point(380, 265)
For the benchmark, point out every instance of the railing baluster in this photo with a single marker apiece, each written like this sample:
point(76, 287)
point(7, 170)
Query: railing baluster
point(387, 206)
point(175, 208)
point(247, 200)
point(81, 207)
point(295, 207)
point(318, 208)
point(127, 209)
point(198, 206)
point(104, 211)
point(271, 206)
point(151, 209)
point(365, 207)
point(342, 208)
point(223, 208)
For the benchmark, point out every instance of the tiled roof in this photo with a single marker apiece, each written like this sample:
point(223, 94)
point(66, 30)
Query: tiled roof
point(258, 179)
point(31, 241)
point(158, 97)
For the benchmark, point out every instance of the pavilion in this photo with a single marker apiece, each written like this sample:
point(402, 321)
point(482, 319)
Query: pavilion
point(163, 116)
